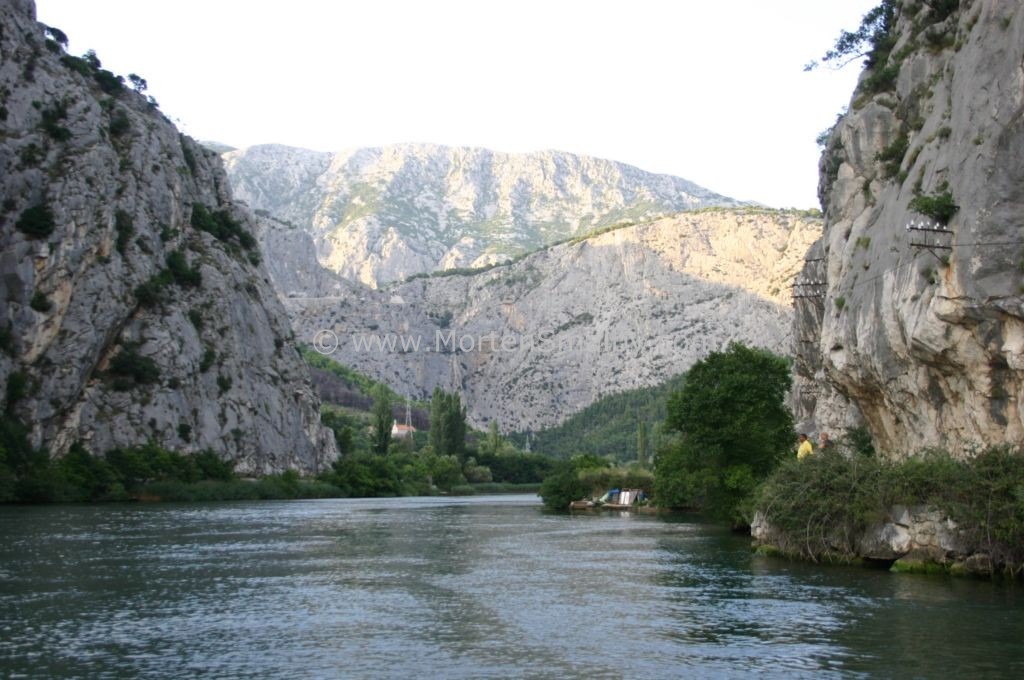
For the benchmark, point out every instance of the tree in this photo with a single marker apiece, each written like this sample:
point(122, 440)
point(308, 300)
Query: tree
point(138, 82)
point(447, 424)
point(493, 442)
point(734, 429)
point(873, 38)
point(383, 421)
point(641, 443)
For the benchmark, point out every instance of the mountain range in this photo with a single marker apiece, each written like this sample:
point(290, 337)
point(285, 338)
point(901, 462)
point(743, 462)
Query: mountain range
point(379, 215)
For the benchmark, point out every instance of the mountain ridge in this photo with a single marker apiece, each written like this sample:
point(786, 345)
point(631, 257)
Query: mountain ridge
point(615, 311)
point(381, 214)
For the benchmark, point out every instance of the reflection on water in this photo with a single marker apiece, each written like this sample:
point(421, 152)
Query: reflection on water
point(462, 588)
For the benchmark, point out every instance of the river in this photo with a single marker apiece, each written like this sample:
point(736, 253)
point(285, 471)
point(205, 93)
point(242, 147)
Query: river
point(463, 587)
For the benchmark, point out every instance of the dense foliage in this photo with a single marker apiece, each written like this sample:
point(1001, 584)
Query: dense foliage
point(609, 426)
point(353, 379)
point(563, 485)
point(222, 226)
point(733, 430)
point(824, 502)
point(29, 475)
point(447, 424)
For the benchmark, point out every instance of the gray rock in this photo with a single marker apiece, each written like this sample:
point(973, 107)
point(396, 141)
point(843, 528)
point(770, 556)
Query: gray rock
point(885, 542)
point(383, 214)
point(530, 343)
point(121, 183)
point(924, 351)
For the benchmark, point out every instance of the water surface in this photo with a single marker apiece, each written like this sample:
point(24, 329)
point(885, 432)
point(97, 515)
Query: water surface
point(471, 587)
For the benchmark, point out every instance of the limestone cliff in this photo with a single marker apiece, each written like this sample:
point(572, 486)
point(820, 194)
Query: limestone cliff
point(531, 342)
point(132, 303)
point(383, 214)
point(926, 344)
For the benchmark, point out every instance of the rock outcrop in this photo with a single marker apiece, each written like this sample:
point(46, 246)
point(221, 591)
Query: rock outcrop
point(923, 343)
point(911, 539)
point(529, 343)
point(383, 214)
point(132, 303)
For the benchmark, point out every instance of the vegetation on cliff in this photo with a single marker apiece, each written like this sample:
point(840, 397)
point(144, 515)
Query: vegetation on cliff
point(824, 503)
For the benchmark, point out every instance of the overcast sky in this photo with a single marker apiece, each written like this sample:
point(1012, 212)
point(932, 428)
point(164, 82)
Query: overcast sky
point(713, 91)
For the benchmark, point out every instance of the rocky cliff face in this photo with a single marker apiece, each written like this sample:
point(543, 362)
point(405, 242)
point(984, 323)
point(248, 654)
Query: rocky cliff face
point(530, 343)
point(926, 344)
point(132, 306)
point(383, 214)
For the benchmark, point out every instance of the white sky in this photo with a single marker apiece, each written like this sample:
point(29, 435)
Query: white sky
point(709, 90)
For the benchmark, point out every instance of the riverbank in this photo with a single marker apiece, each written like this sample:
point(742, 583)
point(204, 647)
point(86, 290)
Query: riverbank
point(931, 513)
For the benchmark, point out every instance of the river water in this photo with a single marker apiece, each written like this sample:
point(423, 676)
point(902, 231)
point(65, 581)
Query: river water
point(463, 587)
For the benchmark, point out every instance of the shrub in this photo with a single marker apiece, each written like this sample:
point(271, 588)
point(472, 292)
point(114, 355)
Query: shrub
point(562, 487)
point(182, 274)
point(77, 64)
point(209, 356)
point(190, 159)
point(132, 368)
point(212, 466)
point(151, 292)
point(940, 207)
point(125, 229)
point(881, 80)
point(51, 122)
point(823, 503)
point(40, 302)
point(221, 225)
point(17, 388)
point(119, 123)
point(36, 222)
point(7, 340)
point(108, 82)
point(892, 156)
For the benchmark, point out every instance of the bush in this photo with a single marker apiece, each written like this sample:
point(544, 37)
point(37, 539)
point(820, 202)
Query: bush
point(517, 468)
point(36, 222)
point(133, 369)
point(940, 207)
point(125, 229)
point(823, 503)
point(562, 487)
point(77, 64)
point(891, 156)
point(40, 302)
point(151, 292)
point(51, 122)
point(119, 123)
point(17, 388)
point(108, 82)
point(221, 225)
point(180, 271)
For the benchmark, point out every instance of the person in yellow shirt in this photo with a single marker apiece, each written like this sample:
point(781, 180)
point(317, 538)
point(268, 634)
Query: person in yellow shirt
point(805, 449)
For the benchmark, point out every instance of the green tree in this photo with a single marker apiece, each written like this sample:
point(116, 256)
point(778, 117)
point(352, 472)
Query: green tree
point(733, 430)
point(641, 443)
point(447, 424)
point(382, 422)
point(492, 443)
